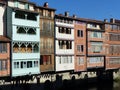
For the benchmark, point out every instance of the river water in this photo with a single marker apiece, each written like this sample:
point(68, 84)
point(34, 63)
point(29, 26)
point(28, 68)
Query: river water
point(66, 85)
point(105, 86)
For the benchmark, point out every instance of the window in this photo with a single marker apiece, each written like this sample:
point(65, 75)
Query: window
point(21, 30)
point(114, 49)
point(49, 13)
point(114, 37)
point(31, 17)
point(21, 64)
point(60, 29)
point(96, 59)
point(115, 27)
point(96, 35)
point(24, 64)
point(26, 30)
point(25, 47)
point(36, 48)
point(20, 15)
point(59, 59)
point(16, 65)
point(80, 60)
point(80, 48)
point(29, 64)
point(49, 43)
point(35, 63)
point(80, 33)
point(65, 44)
point(114, 60)
point(31, 31)
point(65, 59)
point(70, 59)
point(96, 47)
point(64, 30)
point(41, 43)
point(3, 64)
point(3, 47)
point(45, 60)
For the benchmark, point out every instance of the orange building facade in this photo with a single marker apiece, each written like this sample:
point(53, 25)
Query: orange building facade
point(112, 42)
point(95, 44)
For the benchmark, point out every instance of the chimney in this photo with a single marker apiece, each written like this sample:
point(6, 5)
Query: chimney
point(46, 4)
point(74, 16)
point(112, 20)
point(67, 14)
point(105, 20)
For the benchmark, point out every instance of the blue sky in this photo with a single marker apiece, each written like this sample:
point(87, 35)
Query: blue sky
point(93, 9)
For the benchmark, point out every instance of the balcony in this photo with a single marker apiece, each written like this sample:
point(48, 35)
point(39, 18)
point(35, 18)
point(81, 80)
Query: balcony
point(95, 62)
point(23, 19)
point(71, 25)
point(67, 49)
point(63, 66)
point(64, 35)
point(26, 37)
point(94, 27)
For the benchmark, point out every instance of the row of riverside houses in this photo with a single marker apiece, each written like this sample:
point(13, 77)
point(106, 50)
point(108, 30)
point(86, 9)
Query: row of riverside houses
point(33, 40)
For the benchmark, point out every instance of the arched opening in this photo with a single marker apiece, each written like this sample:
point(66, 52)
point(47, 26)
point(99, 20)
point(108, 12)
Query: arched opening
point(23, 48)
point(15, 48)
point(29, 48)
point(21, 30)
point(31, 31)
point(36, 48)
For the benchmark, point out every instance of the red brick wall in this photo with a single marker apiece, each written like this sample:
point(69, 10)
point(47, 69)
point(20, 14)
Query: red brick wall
point(107, 46)
point(80, 41)
point(6, 56)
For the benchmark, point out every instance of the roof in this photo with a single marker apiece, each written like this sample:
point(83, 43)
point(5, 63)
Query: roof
point(4, 39)
point(80, 19)
point(27, 1)
point(24, 10)
point(47, 8)
point(24, 1)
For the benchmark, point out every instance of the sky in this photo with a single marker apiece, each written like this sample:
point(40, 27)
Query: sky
point(92, 9)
